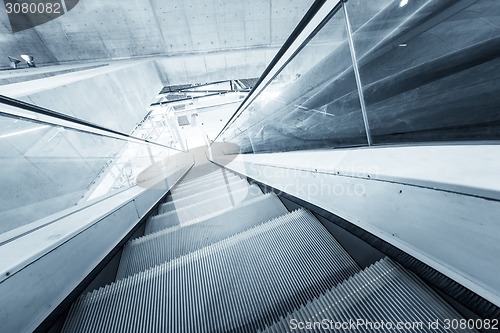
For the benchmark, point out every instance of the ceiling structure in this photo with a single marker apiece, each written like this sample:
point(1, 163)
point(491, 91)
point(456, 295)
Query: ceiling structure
point(91, 51)
point(105, 30)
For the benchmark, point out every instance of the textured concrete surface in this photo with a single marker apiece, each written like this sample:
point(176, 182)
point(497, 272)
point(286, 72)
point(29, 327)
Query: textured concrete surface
point(115, 96)
point(28, 74)
point(219, 66)
point(101, 30)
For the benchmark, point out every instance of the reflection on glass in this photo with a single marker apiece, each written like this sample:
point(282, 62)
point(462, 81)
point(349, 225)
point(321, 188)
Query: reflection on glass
point(189, 111)
point(430, 70)
point(312, 103)
point(46, 169)
point(124, 169)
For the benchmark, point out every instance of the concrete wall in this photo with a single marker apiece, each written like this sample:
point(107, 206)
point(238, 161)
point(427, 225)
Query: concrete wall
point(28, 74)
point(97, 30)
point(115, 95)
point(218, 66)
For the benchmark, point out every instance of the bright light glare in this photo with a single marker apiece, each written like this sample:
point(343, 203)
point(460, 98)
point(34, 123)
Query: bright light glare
point(270, 95)
point(403, 3)
point(22, 132)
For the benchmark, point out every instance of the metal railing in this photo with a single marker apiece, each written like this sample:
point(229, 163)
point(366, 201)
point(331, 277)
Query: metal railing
point(16, 108)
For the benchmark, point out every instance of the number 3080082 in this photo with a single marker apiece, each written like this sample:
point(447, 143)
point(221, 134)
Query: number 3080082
point(33, 8)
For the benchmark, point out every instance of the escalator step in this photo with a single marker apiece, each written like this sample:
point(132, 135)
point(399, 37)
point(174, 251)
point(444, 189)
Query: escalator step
point(219, 188)
point(211, 206)
point(190, 178)
point(145, 252)
point(240, 284)
point(385, 293)
point(201, 170)
point(195, 188)
point(184, 184)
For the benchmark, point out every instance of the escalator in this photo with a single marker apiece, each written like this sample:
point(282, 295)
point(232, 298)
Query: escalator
point(398, 97)
point(222, 256)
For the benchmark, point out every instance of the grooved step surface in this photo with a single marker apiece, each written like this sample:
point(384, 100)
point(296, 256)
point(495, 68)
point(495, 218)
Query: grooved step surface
point(217, 174)
point(201, 171)
point(202, 209)
point(385, 292)
point(217, 190)
point(240, 284)
point(195, 188)
point(145, 252)
point(220, 174)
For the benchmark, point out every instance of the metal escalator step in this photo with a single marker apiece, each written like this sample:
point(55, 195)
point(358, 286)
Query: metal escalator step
point(211, 206)
point(198, 187)
point(239, 284)
point(218, 189)
point(200, 170)
point(167, 244)
point(187, 181)
point(203, 180)
point(385, 292)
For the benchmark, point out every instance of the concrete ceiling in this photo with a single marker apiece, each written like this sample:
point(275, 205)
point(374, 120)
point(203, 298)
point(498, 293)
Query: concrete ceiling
point(103, 30)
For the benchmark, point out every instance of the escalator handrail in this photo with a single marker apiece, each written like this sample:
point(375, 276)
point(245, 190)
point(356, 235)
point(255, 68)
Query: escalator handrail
point(22, 109)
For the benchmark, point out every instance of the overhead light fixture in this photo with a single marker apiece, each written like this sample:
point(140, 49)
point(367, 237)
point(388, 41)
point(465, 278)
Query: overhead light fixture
point(403, 3)
point(29, 60)
point(402, 44)
point(13, 62)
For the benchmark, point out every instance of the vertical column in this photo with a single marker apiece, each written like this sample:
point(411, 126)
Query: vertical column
point(174, 129)
point(356, 73)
